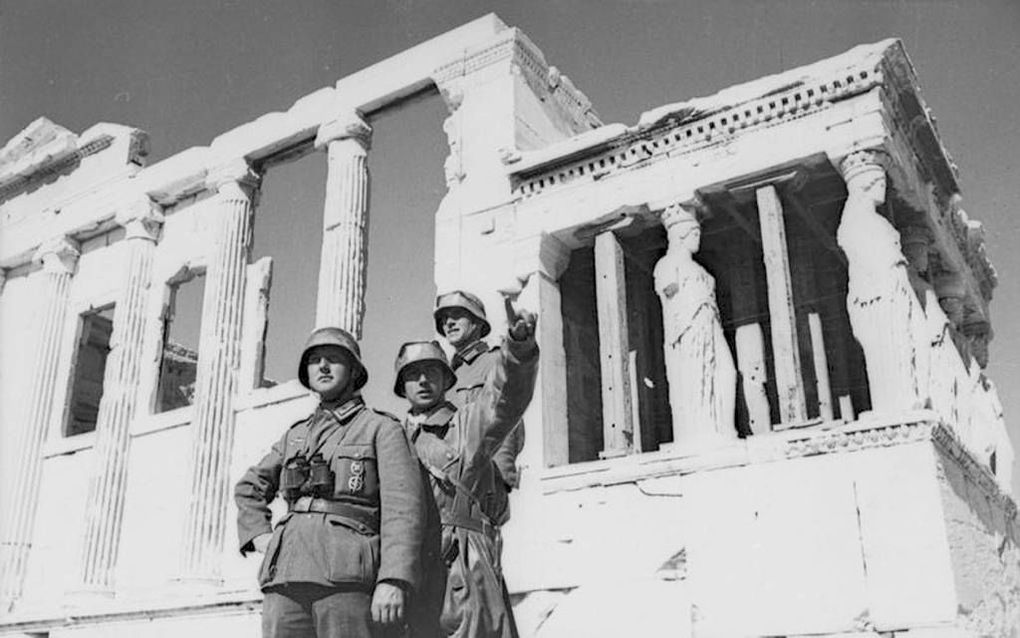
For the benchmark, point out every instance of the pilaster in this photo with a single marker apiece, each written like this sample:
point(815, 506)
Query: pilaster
point(540, 260)
point(104, 511)
point(884, 312)
point(58, 257)
point(219, 356)
point(343, 268)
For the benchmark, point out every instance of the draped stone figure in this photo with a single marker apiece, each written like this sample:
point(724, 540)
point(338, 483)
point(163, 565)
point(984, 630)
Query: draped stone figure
point(884, 311)
point(699, 365)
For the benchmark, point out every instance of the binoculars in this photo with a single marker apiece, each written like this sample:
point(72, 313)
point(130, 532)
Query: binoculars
point(306, 477)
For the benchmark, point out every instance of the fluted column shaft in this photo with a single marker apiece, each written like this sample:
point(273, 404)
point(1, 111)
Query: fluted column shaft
point(219, 356)
point(343, 268)
point(59, 259)
point(105, 505)
point(884, 313)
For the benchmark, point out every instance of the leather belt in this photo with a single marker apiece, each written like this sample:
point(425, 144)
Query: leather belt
point(364, 522)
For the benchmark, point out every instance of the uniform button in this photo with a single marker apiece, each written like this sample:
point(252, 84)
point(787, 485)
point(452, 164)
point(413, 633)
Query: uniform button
point(449, 455)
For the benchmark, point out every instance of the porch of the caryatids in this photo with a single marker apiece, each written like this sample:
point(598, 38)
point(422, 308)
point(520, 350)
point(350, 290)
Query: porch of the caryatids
point(219, 355)
point(142, 219)
point(884, 311)
point(59, 258)
point(342, 272)
point(700, 371)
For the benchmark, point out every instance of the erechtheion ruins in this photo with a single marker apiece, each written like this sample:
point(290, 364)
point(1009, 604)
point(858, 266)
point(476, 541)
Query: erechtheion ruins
point(761, 406)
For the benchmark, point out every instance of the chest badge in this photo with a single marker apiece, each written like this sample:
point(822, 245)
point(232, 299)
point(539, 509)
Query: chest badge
point(356, 481)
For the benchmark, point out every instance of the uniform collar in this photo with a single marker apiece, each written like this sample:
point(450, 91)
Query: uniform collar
point(440, 415)
point(469, 354)
point(345, 411)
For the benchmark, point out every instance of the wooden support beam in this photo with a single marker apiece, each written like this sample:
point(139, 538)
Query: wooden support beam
point(614, 347)
point(785, 349)
point(821, 367)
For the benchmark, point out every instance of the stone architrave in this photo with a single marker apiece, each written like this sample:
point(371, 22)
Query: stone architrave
point(219, 356)
point(884, 312)
point(104, 508)
point(699, 366)
point(59, 258)
point(343, 269)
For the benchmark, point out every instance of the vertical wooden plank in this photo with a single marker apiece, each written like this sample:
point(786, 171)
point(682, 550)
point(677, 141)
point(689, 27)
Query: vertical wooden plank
point(635, 415)
point(745, 309)
point(614, 349)
point(751, 363)
point(785, 350)
point(821, 367)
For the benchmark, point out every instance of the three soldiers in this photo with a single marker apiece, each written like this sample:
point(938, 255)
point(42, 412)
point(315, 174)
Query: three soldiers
point(374, 541)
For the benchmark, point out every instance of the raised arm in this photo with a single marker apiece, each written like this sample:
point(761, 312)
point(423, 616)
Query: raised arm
point(507, 390)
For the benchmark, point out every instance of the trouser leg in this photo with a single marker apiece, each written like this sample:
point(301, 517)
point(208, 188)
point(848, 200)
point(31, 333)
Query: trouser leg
point(348, 613)
point(286, 615)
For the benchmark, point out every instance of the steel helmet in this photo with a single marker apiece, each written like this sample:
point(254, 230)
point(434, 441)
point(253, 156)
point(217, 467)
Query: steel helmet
point(342, 339)
point(415, 351)
point(461, 299)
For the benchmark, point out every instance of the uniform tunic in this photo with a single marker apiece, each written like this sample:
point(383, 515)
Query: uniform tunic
point(472, 365)
point(379, 481)
point(456, 447)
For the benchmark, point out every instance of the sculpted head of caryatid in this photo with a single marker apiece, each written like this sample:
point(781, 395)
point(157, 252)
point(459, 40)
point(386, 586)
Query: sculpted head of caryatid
point(682, 226)
point(865, 174)
point(916, 241)
point(979, 334)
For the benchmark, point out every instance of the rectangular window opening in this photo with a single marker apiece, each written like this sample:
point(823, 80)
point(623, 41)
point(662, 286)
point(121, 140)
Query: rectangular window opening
point(182, 322)
point(92, 350)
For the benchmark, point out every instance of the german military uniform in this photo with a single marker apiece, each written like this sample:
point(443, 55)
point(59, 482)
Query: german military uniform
point(456, 448)
point(355, 514)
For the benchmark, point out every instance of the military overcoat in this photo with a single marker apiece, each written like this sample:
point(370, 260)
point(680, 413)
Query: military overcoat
point(456, 447)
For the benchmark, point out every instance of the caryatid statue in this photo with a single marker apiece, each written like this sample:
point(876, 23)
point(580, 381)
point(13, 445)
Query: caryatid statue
point(699, 366)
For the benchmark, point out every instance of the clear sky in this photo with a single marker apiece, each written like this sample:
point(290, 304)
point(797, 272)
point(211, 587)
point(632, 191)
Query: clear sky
point(188, 70)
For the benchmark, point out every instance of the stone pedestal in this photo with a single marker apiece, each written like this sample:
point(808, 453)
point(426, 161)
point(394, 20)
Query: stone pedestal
point(342, 272)
point(883, 309)
point(219, 356)
point(59, 258)
point(105, 506)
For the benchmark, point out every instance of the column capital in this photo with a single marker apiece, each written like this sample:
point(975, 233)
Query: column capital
point(541, 253)
point(141, 217)
point(348, 125)
point(58, 255)
point(235, 177)
point(859, 162)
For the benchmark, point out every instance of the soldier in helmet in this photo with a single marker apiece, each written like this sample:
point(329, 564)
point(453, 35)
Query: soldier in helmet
point(344, 558)
point(460, 317)
point(456, 447)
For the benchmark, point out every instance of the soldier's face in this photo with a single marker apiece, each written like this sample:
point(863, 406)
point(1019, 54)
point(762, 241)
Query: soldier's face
point(423, 384)
point(460, 327)
point(329, 371)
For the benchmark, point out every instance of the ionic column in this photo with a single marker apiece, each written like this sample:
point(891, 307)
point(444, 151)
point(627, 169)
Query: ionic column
point(341, 299)
point(105, 505)
point(540, 260)
point(884, 312)
point(219, 356)
point(59, 258)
